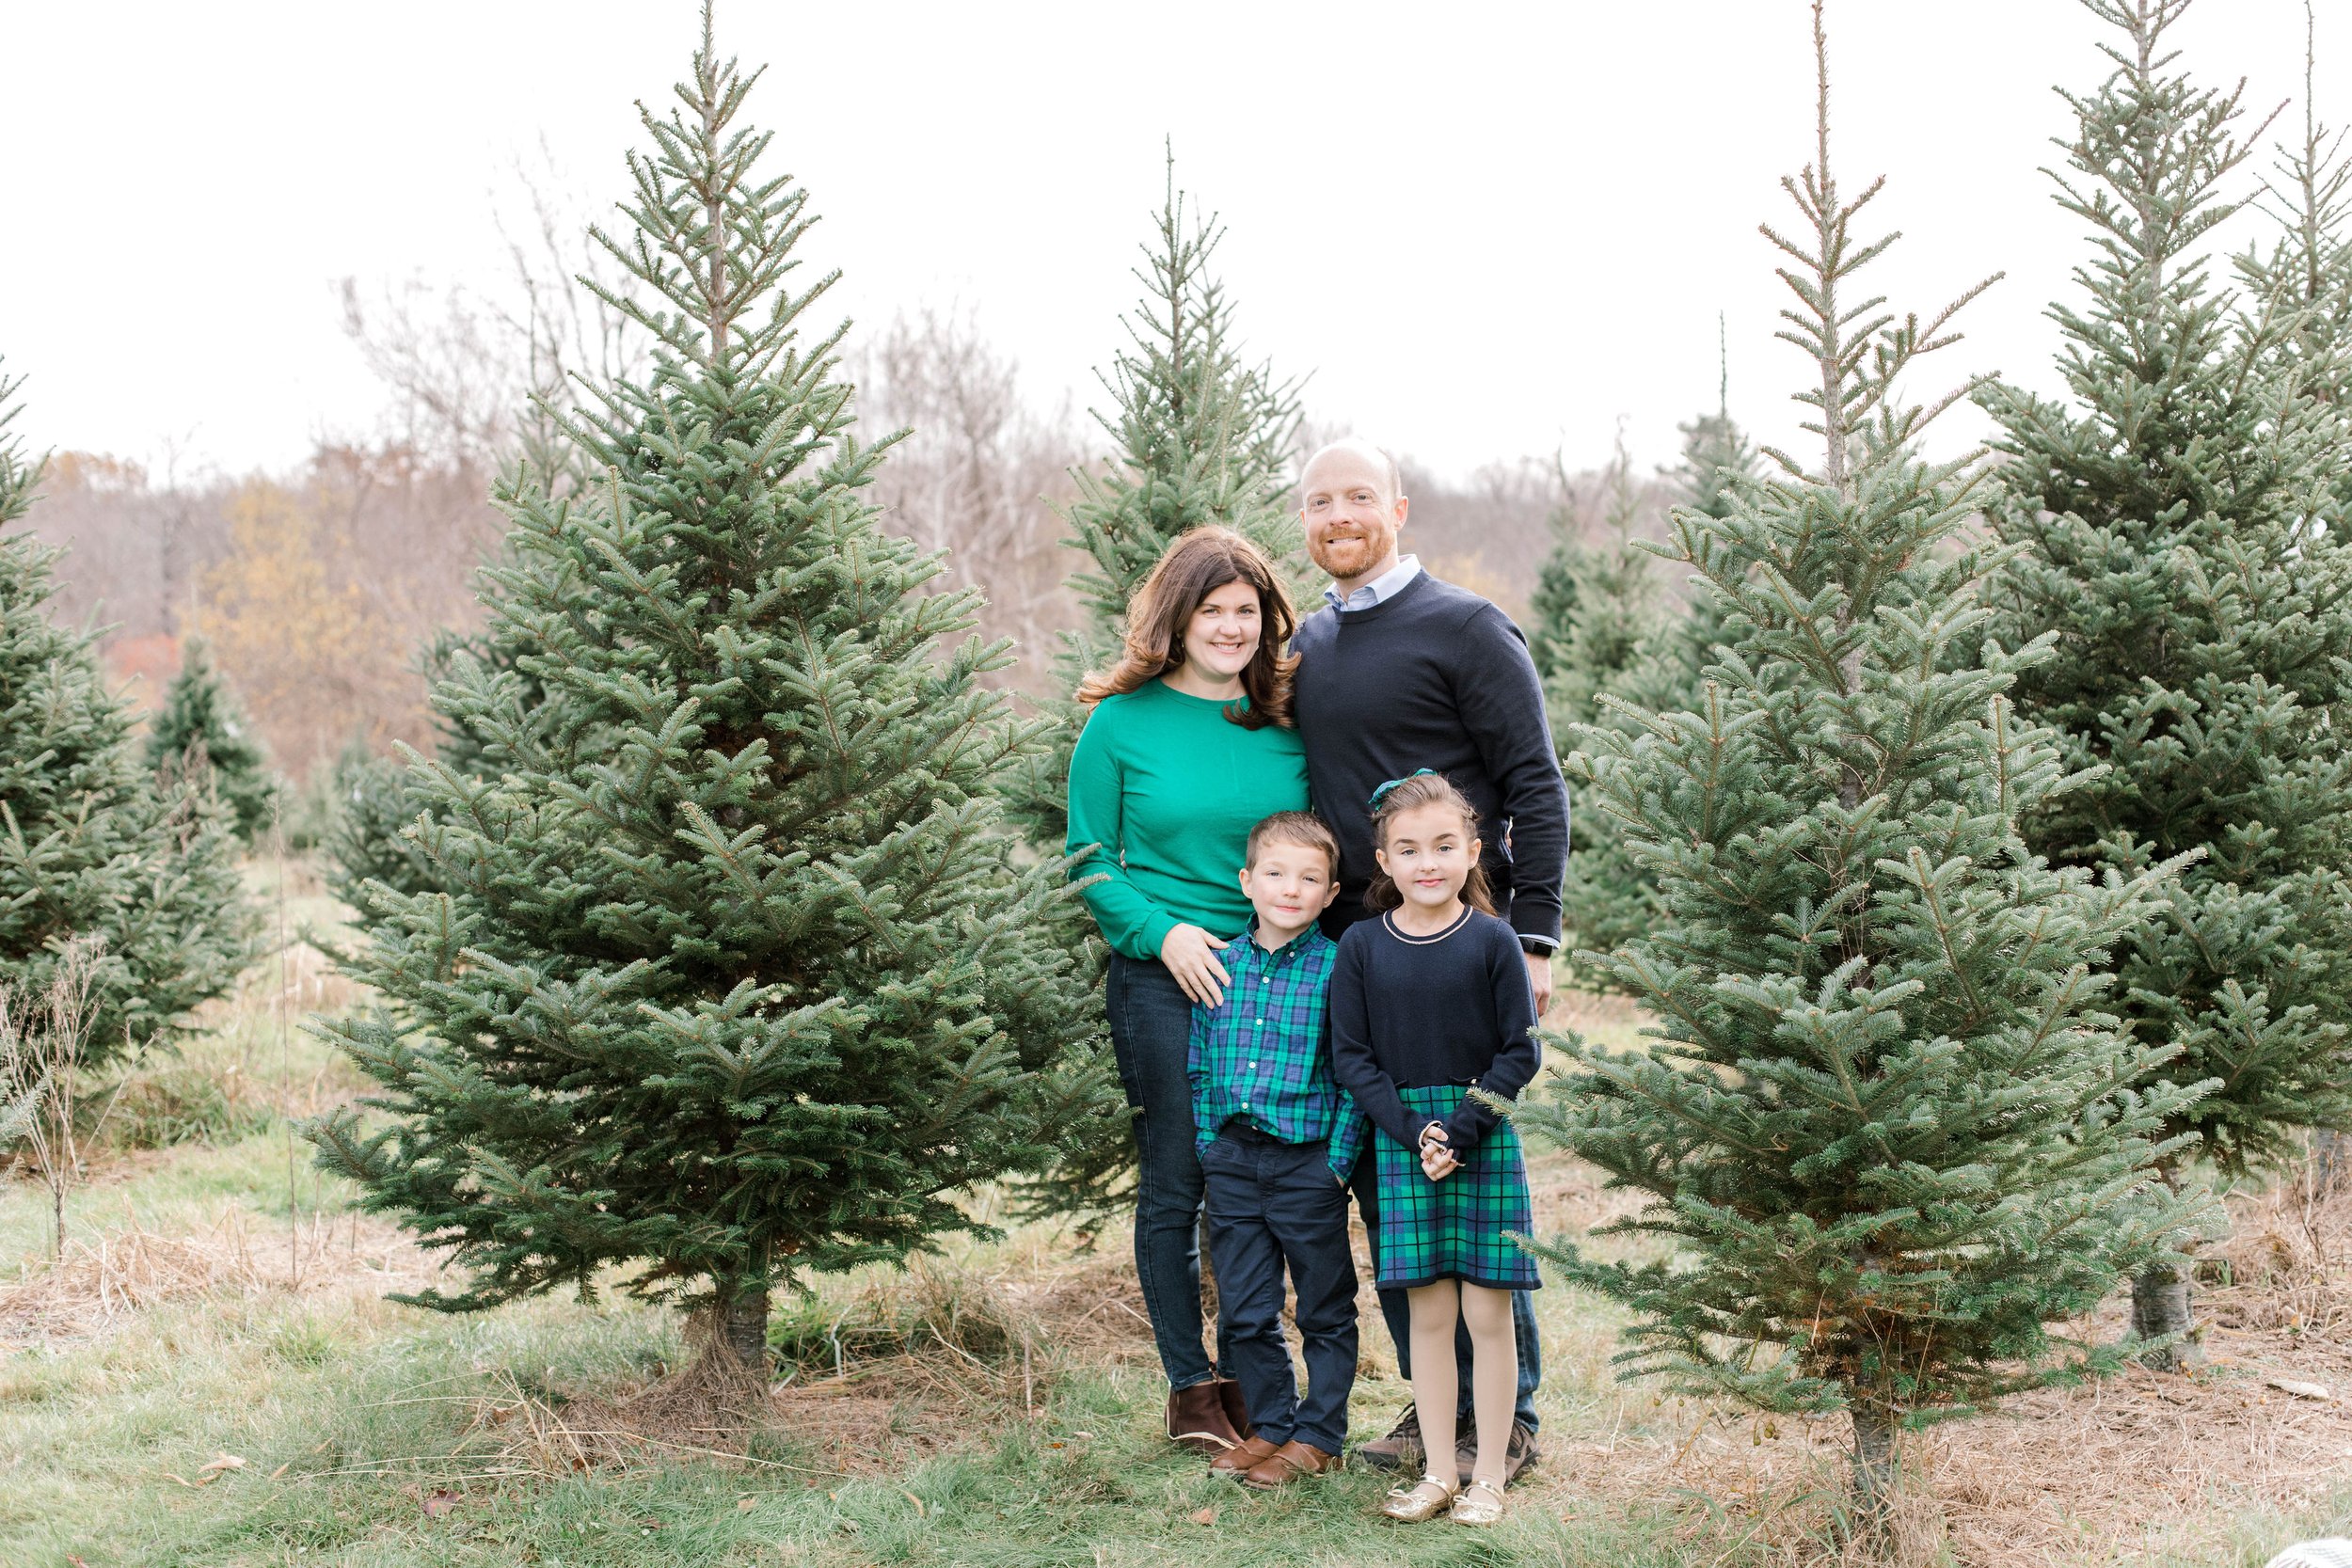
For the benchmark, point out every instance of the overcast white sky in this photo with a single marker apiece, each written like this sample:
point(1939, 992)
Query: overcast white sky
point(1482, 229)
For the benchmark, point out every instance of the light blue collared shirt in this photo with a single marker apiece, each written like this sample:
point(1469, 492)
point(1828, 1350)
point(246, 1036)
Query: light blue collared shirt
point(1380, 590)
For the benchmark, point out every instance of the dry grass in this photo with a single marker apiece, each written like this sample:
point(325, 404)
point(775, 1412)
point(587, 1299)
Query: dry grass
point(886, 1368)
point(107, 1277)
point(2139, 1467)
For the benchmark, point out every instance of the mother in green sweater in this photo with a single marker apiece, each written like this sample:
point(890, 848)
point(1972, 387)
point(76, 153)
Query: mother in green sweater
point(1187, 745)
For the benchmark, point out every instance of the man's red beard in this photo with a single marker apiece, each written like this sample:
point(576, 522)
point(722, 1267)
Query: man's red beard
point(1344, 558)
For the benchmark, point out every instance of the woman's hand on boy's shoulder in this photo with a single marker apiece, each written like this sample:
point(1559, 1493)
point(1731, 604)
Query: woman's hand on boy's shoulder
point(1190, 954)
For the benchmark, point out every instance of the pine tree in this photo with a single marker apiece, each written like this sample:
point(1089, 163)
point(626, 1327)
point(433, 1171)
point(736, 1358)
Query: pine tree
point(1879, 1112)
point(726, 974)
point(2168, 513)
point(1717, 460)
point(203, 719)
point(93, 843)
point(2310, 266)
point(1200, 436)
point(369, 837)
point(366, 839)
point(1608, 897)
point(1604, 602)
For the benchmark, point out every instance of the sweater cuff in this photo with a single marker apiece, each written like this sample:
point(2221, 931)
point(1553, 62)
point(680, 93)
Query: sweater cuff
point(1155, 932)
point(1536, 916)
point(1467, 1128)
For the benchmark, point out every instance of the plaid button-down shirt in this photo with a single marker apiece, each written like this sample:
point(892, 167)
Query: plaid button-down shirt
point(1265, 1055)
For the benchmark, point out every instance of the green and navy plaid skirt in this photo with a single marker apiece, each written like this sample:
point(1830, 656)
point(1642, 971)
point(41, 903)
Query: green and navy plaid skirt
point(1454, 1228)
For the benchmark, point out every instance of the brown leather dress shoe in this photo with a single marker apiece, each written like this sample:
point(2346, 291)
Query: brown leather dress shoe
point(1197, 1419)
point(1237, 1460)
point(1294, 1461)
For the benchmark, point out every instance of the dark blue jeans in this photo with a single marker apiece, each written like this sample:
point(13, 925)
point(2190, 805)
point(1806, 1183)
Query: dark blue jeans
point(1398, 1314)
point(1151, 1037)
point(1273, 1205)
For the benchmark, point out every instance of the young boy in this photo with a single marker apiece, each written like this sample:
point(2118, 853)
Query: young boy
point(1278, 1138)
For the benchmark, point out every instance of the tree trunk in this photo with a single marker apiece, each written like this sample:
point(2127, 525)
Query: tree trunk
point(1874, 1465)
point(2331, 1159)
point(2160, 1306)
point(745, 1329)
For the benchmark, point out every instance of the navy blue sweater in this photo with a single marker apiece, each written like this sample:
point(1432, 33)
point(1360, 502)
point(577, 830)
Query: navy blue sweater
point(1436, 677)
point(1413, 1012)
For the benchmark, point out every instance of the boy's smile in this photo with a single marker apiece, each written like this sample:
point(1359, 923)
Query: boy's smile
point(1289, 885)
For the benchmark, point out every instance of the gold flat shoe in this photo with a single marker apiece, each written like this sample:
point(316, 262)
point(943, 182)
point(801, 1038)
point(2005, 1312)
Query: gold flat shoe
point(1419, 1504)
point(1478, 1504)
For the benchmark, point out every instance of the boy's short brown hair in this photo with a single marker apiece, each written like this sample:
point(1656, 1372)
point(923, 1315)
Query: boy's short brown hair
point(1302, 828)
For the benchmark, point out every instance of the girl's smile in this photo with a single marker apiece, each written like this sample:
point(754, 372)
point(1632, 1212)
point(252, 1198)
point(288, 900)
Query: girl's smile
point(1427, 852)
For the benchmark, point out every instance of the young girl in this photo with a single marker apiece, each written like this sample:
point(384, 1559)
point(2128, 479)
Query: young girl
point(1428, 1001)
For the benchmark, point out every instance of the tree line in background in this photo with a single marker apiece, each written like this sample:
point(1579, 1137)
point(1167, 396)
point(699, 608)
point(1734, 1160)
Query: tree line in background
point(1975, 831)
point(315, 588)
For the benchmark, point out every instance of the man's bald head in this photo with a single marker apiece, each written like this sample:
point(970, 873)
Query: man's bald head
point(1355, 449)
point(1351, 499)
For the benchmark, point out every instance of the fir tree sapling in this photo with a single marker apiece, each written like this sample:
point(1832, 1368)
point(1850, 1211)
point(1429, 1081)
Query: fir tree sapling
point(1200, 436)
point(1882, 1116)
point(2310, 266)
point(1609, 898)
point(2170, 518)
point(1717, 460)
point(204, 729)
point(725, 974)
point(95, 847)
point(1601, 603)
point(365, 836)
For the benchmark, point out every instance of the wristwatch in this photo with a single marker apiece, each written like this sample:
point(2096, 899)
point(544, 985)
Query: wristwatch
point(1543, 947)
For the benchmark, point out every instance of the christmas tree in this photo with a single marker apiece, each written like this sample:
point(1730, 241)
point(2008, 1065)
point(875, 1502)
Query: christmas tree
point(93, 845)
point(1200, 436)
point(204, 726)
point(1717, 460)
point(366, 839)
point(1608, 897)
point(1596, 605)
point(726, 974)
point(2170, 514)
point(1879, 1114)
point(2310, 265)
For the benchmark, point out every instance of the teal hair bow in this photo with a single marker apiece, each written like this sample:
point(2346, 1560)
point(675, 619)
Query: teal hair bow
point(1382, 793)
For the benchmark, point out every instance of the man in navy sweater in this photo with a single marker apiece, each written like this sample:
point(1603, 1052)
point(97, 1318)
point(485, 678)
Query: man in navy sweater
point(1400, 672)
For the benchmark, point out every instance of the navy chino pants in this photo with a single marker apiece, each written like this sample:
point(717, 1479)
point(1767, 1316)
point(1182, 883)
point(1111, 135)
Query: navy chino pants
point(1276, 1207)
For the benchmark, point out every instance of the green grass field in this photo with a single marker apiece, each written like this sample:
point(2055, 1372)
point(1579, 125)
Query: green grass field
point(213, 1377)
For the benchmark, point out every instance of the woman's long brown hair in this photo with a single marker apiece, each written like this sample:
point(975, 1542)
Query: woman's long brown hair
point(1409, 793)
point(1200, 562)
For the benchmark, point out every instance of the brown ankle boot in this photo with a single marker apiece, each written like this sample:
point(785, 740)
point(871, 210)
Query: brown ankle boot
point(1236, 1407)
point(1197, 1419)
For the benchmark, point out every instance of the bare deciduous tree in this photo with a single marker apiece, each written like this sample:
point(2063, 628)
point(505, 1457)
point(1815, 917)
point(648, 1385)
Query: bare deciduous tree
point(981, 477)
point(40, 1067)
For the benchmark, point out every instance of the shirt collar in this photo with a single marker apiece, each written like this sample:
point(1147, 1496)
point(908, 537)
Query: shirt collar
point(1387, 586)
point(1297, 947)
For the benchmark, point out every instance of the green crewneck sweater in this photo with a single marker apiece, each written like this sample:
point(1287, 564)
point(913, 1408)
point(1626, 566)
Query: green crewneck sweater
point(1169, 788)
